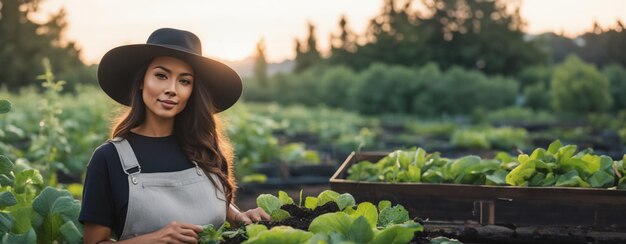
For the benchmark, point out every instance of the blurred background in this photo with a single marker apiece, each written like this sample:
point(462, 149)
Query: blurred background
point(325, 78)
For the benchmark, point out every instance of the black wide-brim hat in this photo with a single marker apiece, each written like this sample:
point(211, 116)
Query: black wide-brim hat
point(120, 65)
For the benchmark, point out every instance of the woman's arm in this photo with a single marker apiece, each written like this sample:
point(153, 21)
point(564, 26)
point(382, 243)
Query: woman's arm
point(234, 216)
point(174, 232)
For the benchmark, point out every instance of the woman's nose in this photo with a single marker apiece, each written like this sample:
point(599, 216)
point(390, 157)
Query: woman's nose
point(171, 89)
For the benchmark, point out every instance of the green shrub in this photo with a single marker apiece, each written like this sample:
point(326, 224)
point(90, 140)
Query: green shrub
point(617, 79)
point(580, 88)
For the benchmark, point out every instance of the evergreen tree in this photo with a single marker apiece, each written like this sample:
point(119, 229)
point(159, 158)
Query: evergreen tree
point(307, 55)
point(260, 64)
point(479, 34)
point(24, 43)
point(344, 45)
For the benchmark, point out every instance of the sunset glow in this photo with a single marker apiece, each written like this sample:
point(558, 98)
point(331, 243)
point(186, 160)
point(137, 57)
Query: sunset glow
point(230, 29)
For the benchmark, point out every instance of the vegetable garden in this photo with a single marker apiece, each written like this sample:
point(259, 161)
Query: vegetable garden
point(465, 178)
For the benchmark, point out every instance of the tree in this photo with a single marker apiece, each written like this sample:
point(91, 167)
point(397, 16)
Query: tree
point(483, 35)
point(617, 78)
point(579, 88)
point(260, 64)
point(393, 37)
point(344, 45)
point(307, 55)
point(24, 43)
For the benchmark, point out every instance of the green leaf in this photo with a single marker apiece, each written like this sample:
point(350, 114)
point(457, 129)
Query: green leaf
point(360, 231)
point(327, 196)
point(395, 234)
point(5, 106)
point(71, 233)
point(50, 204)
point(432, 175)
point(5, 180)
point(345, 200)
point(584, 168)
point(6, 222)
point(254, 229)
point(329, 222)
point(566, 152)
point(393, 215)
point(519, 175)
point(46, 202)
point(280, 234)
point(268, 202)
point(601, 179)
point(7, 199)
point(319, 238)
point(279, 215)
point(28, 237)
point(310, 202)
point(367, 210)
point(498, 178)
point(554, 147)
point(209, 235)
point(284, 198)
point(383, 204)
point(462, 164)
point(571, 179)
point(62, 205)
point(24, 217)
point(5, 165)
point(27, 177)
point(413, 174)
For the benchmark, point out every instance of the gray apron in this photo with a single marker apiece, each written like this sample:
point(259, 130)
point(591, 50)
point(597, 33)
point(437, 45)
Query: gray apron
point(157, 199)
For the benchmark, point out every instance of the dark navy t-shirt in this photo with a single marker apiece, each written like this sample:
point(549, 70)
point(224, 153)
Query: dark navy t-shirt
point(105, 192)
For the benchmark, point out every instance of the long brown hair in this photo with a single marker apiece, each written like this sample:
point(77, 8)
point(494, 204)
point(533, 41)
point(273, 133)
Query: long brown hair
point(197, 129)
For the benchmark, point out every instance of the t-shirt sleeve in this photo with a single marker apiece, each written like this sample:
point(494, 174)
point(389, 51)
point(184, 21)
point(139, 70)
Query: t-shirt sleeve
point(97, 204)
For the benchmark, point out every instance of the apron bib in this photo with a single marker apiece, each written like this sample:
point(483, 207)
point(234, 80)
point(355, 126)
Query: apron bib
point(157, 199)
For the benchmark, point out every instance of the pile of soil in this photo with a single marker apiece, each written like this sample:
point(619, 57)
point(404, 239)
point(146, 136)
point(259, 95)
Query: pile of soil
point(301, 218)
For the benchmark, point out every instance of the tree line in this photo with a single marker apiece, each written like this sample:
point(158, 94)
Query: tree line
point(24, 44)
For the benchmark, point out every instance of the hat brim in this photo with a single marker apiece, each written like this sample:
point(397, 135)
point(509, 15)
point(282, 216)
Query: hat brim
point(119, 66)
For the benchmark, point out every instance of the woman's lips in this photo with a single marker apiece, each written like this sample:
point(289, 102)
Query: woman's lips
point(167, 104)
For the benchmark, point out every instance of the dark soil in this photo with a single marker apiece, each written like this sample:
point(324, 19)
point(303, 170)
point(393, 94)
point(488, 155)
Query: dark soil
point(235, 240)
point(301, 218)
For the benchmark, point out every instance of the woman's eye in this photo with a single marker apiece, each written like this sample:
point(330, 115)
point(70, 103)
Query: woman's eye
point(160, 76)
point(185, 82)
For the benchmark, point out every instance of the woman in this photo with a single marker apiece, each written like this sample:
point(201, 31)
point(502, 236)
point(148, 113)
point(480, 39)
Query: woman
point(168, 168)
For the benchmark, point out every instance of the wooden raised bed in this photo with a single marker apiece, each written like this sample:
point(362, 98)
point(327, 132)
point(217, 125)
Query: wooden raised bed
point(603, 209)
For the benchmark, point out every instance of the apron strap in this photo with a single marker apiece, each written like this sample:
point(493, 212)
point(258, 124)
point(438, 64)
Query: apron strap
point(127, 155)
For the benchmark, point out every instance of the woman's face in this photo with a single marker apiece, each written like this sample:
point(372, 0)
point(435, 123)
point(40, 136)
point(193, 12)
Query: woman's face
point(166, 87)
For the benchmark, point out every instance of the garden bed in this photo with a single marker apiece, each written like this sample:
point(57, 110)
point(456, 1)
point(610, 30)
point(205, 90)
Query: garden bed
point(600, 209)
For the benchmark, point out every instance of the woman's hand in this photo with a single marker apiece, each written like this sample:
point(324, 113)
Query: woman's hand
point(252, 215)
point(176, 232)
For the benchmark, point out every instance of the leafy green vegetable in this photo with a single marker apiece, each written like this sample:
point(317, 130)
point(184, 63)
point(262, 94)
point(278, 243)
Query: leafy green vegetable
point(393, 215)
point(280, 234)
point(360, 231)
point(272, 204)
point(397, 233)
point(519, 176)
point(5, 106)
point(327, 196)
point(368, 211)
point(252, 230)
point(345, 200)
point(339, 222)
point(310, 202)
point(284, 198)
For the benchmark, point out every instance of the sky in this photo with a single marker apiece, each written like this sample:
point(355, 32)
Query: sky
point(229, 30)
